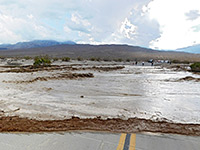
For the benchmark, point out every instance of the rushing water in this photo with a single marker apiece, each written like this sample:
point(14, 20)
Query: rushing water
point(135, 91)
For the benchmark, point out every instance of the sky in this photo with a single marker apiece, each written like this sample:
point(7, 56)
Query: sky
point(157, 24)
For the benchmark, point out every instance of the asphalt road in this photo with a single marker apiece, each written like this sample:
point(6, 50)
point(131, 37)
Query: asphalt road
point(97, 141)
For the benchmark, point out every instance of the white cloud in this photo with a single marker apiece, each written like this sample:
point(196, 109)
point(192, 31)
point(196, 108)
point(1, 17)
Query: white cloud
point(30, 16)
point(192, 14)
point(128, 29)
point(163, 24)
point(78, 19)
point(19, 29)
point(98, 21)
point(107, 22)
point(176, 30)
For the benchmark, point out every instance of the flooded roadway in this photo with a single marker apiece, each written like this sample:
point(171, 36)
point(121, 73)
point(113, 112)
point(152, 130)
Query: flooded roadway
point(135, 91)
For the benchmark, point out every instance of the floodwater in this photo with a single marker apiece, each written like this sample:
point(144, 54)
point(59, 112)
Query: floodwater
point(135, 91)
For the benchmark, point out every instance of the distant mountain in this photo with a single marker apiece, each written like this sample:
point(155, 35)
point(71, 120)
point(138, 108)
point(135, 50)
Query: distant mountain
point(191, 49)
point(86, 51)
point(34, 44)
point(106, 52)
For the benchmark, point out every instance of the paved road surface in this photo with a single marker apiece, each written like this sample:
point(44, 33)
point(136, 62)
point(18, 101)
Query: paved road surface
point(97, 141)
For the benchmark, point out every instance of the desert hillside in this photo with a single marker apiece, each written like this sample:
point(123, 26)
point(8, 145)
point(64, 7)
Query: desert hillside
point(101, 51)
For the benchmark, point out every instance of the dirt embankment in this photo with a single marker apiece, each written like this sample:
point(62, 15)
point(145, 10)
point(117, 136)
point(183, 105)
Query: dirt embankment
point(178, 67)
point(27, 69)
point(187, 78)
point(62, 76)
point(17, 124)
point(190, 78)
point(68, 74)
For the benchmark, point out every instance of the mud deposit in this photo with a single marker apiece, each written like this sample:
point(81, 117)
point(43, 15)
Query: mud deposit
point(132, 125)
point(26, 69)
point(189, 78)
point(56, 77)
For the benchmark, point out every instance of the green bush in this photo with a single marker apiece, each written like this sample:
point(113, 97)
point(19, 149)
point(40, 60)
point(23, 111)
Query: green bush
point(195, 67)
point(66, 59)
point(41, 61)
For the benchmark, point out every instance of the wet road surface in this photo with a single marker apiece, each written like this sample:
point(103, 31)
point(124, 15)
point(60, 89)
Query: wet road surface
point(97, 141)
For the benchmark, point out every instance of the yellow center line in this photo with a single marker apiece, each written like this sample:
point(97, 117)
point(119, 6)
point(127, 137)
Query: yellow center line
point(121, 141)
point(132, 142)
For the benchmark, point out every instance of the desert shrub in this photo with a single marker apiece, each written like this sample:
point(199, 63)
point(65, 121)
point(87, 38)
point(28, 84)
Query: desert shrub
point(98, 59)
point(106, 59)
point(128, 60)
point(92, 59)
point(27, 57)
point(178, 62)
point(79, 59)
point(95, 59)
point(118, 60)
point(66, 59)
point(195, 67)
point(185, 62)
point(175, 61)
point(55, 59)
point(41, 61)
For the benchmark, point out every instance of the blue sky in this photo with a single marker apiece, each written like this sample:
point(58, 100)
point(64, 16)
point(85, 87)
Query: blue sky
point(158, 24)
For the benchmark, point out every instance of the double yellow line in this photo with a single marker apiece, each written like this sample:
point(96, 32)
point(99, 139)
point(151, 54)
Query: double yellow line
point(122, 140)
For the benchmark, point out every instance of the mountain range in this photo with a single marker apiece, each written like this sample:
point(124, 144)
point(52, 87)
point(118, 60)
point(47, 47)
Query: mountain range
point(86, 51)
point(34, 44)
point(191, 49)
point(48, 43)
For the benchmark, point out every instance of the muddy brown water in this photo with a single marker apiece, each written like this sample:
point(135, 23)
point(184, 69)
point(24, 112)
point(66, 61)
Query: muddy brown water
point(137, 92)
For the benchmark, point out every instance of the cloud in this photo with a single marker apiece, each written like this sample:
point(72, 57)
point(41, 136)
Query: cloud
point(14, 29)
point(78, 23)
point(192, 14)
point(176, 30)
point(128, 29)
point(99, 21)
point(103, 22)
point(157, 24)
point(196, 28)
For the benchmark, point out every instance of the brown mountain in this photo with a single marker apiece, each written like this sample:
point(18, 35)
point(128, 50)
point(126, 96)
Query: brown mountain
point(101, 51)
